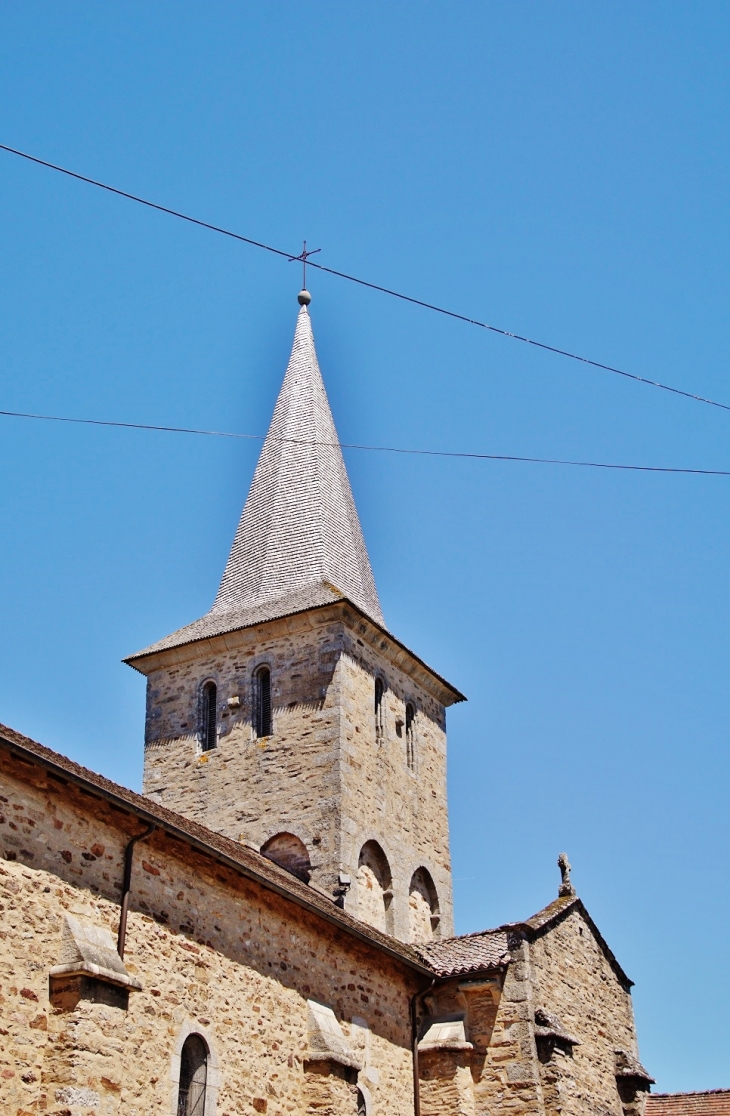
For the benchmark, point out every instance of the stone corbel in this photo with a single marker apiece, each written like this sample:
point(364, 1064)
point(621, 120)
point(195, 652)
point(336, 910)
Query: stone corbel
point(492, 985)
point(327, 1043)
point(443, 1033)
point(550, 1035)
point(89, 951)
point(633, 1082)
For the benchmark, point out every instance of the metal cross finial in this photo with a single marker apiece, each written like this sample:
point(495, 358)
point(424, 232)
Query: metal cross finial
point(304, 256)
point(566, 887)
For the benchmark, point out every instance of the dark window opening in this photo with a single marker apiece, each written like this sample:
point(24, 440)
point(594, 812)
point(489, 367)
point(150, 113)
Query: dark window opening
point(410, 736)
point(262, 686)
point(379, 690)
point(209, 735)
point(193, 1077)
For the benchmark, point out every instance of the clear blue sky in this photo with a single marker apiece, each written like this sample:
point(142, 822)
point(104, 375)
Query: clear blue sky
point(558, 169)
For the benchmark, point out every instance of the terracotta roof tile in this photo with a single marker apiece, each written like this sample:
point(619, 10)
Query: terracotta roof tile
point(471, 953)
point(711, 1102)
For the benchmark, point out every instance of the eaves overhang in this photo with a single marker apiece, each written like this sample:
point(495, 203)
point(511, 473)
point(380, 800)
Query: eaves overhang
point(147, 660)
point(223, 850)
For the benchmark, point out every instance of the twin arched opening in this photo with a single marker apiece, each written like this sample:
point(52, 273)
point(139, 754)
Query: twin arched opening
point(375, 896)
point(261, 711)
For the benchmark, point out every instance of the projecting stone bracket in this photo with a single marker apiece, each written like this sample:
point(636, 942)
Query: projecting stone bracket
point(90, 968)
point(327, 1043)
point(444, 1033)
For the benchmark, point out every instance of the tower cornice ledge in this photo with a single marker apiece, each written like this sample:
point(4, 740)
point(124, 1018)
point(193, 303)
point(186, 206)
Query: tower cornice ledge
point(317, 607)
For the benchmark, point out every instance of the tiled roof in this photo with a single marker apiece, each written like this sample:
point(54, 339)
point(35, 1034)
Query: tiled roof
point(490, 949)
point(471, 953)
point(299, 533)
point(712, 1102)
point(214, 845)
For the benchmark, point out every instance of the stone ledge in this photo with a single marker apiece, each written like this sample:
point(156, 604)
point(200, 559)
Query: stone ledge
point(99, 972)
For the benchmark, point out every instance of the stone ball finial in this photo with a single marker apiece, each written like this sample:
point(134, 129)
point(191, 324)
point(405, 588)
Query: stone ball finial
point(304, 298)
point(566, 887)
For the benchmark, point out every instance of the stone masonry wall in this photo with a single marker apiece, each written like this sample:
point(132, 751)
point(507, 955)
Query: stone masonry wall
point(214, 952)
point(404, 810)
point(504, 1073)
point(574, 979)
point(251, 789)
point(563, 971)
point(322, 774)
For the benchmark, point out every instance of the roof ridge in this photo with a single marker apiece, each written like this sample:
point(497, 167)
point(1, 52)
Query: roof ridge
point(692, 1093)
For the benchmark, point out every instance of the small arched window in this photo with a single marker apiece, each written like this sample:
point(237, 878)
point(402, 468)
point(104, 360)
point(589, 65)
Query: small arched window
point(262, 701)
point(209, 719)
point(193, 1077)
point(410, 736)
point(379, 719)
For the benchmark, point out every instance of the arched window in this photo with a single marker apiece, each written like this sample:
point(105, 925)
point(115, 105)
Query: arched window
point(193, 1077)
point(209, 719)
point(410, 736)
point(262, 701)
point(379, 718)
point(423, 907)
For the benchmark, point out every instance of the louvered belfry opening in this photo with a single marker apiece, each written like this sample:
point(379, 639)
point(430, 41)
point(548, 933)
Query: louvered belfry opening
point(379, 691)
point(410, 736)
point(209, 734)
point(193, 1077)
point(262, 699)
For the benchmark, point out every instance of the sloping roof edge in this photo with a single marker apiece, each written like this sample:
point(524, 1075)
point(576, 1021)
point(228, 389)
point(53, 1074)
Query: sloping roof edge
point(132, 660)
point(238, 857)
point(557, 910)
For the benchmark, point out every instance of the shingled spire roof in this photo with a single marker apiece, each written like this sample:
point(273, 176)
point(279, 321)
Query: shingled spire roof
point(299, 543)
point(299, 527)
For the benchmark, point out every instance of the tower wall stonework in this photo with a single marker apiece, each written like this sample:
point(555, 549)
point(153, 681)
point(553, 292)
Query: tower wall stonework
point(324, 774)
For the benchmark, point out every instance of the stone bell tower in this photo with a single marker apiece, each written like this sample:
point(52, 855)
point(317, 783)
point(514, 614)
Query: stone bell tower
point(289, 717)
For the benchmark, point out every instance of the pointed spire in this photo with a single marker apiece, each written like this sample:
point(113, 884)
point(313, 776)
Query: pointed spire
point(299, 527)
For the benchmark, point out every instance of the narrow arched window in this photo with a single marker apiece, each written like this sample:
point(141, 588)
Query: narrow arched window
point(209, 719)
point(193, 1077)
point(262, 701)
point(379, 721)
point(410, 736)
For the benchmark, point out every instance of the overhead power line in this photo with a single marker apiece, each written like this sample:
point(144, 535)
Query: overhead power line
point(365, 283)
point(372, 449)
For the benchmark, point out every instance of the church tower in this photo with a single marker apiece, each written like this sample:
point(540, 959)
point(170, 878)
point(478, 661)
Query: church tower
point(289, 717)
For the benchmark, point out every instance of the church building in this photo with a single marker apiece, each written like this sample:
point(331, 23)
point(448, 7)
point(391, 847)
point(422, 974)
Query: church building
point(268, 927)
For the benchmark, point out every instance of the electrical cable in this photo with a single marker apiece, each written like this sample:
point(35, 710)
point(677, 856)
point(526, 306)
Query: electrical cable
point(365, 283)
point(372, 449)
